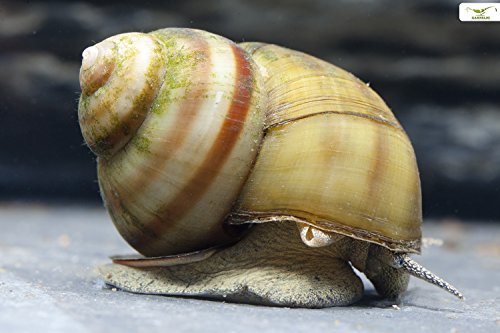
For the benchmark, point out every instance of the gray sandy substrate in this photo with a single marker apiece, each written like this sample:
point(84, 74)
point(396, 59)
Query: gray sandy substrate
point(48, 282)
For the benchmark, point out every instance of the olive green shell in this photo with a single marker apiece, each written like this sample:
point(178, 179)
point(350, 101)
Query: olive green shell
point(333, 156)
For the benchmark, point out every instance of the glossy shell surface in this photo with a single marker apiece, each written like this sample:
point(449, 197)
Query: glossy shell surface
point(177, 173)
point(195, 133)
point(334, 153)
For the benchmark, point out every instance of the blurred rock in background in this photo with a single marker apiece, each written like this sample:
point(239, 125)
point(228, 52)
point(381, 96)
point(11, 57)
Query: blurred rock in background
point(441, 77)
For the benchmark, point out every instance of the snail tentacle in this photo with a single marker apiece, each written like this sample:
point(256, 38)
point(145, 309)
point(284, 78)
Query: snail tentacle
point(414, 268)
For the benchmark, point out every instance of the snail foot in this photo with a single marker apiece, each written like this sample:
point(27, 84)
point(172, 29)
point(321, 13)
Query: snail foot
point(271, 266)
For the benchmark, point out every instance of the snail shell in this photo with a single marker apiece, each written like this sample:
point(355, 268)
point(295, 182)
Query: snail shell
point(196, 134)
point(334, 153)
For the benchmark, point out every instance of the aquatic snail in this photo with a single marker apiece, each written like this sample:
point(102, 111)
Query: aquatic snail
point(248, 172)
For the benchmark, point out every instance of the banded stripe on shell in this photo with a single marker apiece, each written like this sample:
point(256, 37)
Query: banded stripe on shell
point(197, 142)
point(335, 155)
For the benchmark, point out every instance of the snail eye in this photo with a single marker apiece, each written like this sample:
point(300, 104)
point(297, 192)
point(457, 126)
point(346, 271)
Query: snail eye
point(398, 261)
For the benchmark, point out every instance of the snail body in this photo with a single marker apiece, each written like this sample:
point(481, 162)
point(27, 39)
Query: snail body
point(198, 138)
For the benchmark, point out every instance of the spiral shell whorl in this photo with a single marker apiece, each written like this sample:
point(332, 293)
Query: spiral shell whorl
point(119, 79)
point(169, 189)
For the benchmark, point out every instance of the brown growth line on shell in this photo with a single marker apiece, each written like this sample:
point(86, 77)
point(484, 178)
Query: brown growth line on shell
point(215, 158)
point(191, 109)
point(354, 114)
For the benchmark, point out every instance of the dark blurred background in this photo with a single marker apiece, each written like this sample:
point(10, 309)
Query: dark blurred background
point(441, 77)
